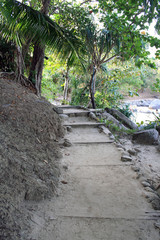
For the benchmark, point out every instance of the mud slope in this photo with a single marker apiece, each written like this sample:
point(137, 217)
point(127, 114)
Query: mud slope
point(29, 153)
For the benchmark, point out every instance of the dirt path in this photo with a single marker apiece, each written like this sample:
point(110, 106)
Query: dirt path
point(99, 197)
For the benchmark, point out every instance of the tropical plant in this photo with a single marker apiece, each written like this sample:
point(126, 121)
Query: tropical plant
point(28, 27)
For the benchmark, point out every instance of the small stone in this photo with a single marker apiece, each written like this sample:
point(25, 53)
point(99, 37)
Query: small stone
point(69, 128)
point(132, 152)
point(63, 116)
point(150, 196)
point(126, 158)
point(58, 110)
point(92, 116)
point(148, 189)
point(158, 190)
point(145, 184)
point(121, 150)
point(67, 143)
point(137, 149)
point(157, 225)
point(156, 203)
point(158, 148)
point(112, 137)
point(136, 169)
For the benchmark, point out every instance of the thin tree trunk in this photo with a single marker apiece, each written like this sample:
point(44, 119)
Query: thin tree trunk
point(92, 87)
point(19, 71)
point(37, 63)
point(65, 94)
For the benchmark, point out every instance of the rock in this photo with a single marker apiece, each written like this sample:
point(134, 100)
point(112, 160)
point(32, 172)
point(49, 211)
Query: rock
point(158, 148)
point(57, 110)
point(132, 152)
point(149, 189)
point(118, 145)
point(157, 225)
point(137, 149)
point(158, 190)
point(113, 120)
point(158, 128)
point(69, 128)
point(126, 158)
point(156, 203)
point(93, 116)
point(112, 137)
point(145, 184)
point(136, 169)
point(63, 116)
point(67, 143)
point(150, 196)
point(155, 104)
point(149, 136)
point(105, 130)
point(121, 149)
point(122, 118)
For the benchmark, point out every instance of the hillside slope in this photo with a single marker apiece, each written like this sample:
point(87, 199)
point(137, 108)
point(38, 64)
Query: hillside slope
point(29, 153)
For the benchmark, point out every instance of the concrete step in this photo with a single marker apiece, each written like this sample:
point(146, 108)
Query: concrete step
point(92, 154)
point(69, 106)
point(78, 113)
point(92, 142)
point(87, 134)
point(84, 124)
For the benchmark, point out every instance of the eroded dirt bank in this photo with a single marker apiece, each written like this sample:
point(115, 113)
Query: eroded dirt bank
point(29, 153)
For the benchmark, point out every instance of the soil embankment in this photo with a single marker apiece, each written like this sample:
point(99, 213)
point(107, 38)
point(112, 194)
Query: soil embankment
point(29, 152)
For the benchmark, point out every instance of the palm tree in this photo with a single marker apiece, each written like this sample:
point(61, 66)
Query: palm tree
point(26, 26)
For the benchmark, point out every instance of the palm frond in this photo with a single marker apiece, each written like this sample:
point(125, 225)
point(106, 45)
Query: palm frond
point(24, 22)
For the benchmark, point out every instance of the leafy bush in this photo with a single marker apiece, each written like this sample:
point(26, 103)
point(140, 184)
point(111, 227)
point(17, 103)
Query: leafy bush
point(80, 91)
point(125, 110)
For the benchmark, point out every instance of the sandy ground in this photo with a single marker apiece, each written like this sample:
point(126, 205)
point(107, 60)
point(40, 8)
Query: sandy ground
point(99, 196)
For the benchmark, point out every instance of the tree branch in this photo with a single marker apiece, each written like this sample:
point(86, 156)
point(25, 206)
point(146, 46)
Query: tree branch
point(107, 53)
point(109, 59)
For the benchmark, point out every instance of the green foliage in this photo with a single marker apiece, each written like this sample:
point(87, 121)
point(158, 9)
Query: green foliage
point(80, 91)
point(133, 78)
point(53, 80)
point(107, 94)
point(157, 85)
point(49, 89)
point(125, 110)
point(116, 129)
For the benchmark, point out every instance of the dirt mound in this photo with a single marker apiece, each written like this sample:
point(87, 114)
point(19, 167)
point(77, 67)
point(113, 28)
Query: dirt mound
point(29, 152)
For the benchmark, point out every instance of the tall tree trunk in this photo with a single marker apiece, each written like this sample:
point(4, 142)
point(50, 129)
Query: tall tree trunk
point(92, 87)
point(36, 68)
point(65, 94)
